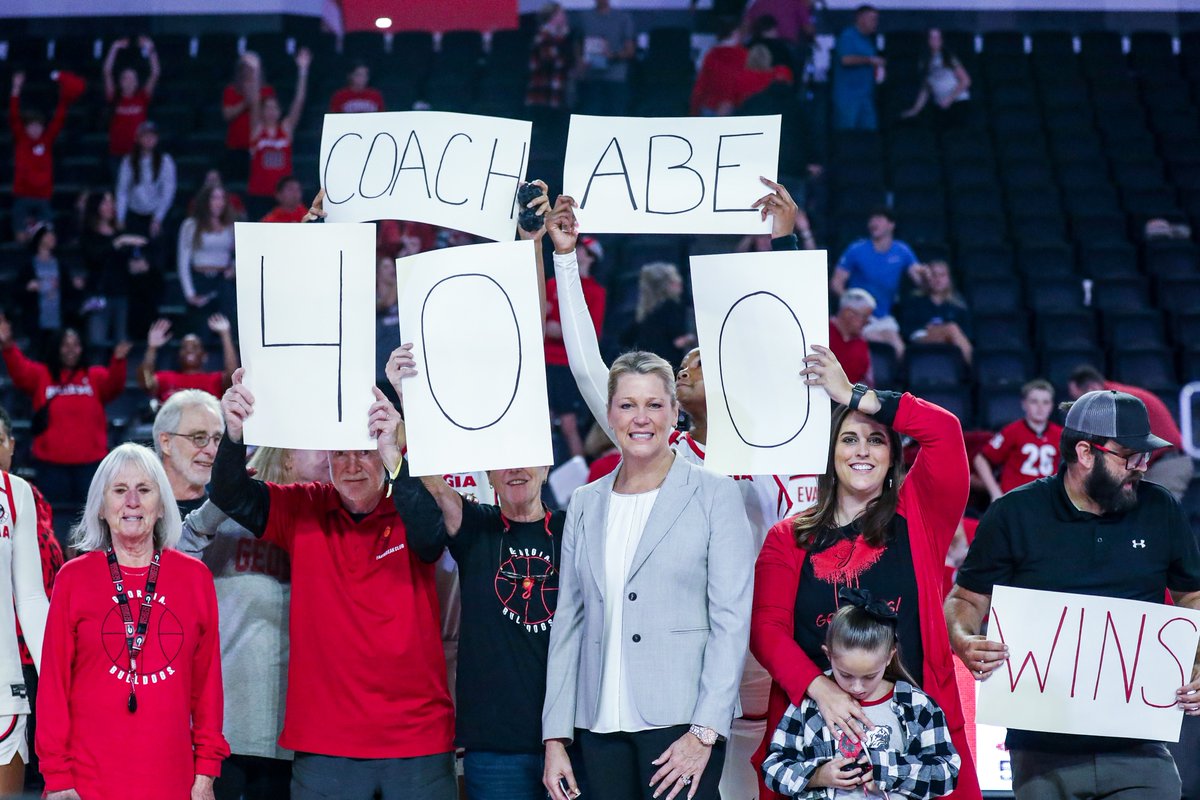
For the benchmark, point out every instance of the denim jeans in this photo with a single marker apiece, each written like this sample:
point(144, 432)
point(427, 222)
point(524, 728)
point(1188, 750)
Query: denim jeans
point(503, 776)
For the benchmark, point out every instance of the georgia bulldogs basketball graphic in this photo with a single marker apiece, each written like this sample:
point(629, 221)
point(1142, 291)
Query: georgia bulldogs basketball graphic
point(524, 590)
point(164, 641)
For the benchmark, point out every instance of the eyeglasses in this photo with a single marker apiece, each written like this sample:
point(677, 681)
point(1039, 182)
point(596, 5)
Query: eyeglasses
point(1132, 460)
point(200, 440)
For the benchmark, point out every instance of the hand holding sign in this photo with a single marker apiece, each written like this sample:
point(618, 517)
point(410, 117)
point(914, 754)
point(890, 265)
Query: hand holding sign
point(562, 225)
point(237, 404)
point(780, 206)
point(383, 423)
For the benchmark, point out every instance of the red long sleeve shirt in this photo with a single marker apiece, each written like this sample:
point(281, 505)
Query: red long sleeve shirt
point(86, 737)
point(77, 432)
point(932, 499)
point(33, 159)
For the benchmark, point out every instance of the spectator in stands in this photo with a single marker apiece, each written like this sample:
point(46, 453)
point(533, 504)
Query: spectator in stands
point(348, 551)
point(873, 527)
point(289, 201)
point(253, 580)
point(759, 74)
point(764, 29)
point(127, 100)
point(116, 267)
point(845, 335)
point(235, 108)
point(550, 59)
point(51, 554)
point(1170, 466)
point(93, 700)
point(205, 258)
point(945, 81)
point(938, 315)
point(357, 96)
point(187, 430)
point(857, 67)
point(716, 91)
point(33, 154)
point(161, 384)
point(1026, 449)
point(70, 427)
point(145, 193)
point(607, 47)
point(387, 314)
point(565, 401)
point(661, 322)
point(213, 180)
point(877, 264)
point(53, 290)
point(271, 137)
point(791, 20)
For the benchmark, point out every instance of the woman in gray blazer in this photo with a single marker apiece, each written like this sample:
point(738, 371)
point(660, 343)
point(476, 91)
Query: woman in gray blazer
point(653, 613)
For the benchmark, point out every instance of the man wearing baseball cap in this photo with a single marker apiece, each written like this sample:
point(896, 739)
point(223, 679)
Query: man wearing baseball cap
point(1095, 528)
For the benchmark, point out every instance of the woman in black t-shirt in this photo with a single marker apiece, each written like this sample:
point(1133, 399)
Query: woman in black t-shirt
point(508, 563)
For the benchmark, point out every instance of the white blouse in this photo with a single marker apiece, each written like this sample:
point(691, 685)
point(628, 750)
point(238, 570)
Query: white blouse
point(627, 515)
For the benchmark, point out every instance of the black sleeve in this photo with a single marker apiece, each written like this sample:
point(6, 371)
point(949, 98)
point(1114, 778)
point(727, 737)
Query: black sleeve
point(785, 242)
point(990, 559)
point(243, 499)
point(889, 406)
point(421, 514)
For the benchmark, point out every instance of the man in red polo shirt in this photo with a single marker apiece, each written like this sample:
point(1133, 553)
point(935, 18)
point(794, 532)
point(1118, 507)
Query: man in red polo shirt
point(368, 708)
point(1170, 467)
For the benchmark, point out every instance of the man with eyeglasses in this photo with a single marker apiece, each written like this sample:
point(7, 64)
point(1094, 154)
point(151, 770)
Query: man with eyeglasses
point(1095, 528)
point(187, 430)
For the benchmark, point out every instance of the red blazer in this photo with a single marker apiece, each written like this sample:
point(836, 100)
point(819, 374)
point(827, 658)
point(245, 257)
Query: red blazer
point(932, 499)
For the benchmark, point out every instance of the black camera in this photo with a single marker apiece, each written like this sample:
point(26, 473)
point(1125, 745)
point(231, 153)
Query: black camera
point(529, 219)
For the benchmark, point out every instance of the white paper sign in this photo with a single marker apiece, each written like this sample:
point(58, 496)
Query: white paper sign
point(1087, 665)
point(670, 174)
point(459, 171)
point(305, 295)
point(478, 401)
point(758, 315)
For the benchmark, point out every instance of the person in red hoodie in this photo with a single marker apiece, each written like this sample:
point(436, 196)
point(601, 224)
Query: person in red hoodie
point(357, 96)
point(70, 427)
point(127, 99)
point(872, 528)
point(122, 716)
point(289, 199)
point(33, 153)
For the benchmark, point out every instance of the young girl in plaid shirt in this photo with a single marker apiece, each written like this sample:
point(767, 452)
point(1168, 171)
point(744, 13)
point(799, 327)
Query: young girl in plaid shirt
point(907, 751)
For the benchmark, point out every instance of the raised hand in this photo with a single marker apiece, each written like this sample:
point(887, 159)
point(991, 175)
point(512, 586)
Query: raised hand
point(780, 206)
point(237, 404)
point(541, 204)
point(160, 334)
point(562, 226)
point(219, 324)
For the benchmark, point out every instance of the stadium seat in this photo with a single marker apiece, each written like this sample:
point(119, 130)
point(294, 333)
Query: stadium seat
point(998, 406)
point(934, 365)
point(1152, 369)
point(1134, 330)
point(1000, 331)
point(1002, 367)
point(1066, 330)
point(885, 368)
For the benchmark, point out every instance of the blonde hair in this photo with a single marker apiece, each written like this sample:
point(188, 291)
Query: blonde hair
point(654, 287)
point(639, 362)
point(270, 464)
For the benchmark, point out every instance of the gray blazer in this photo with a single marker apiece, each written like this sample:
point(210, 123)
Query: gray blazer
point(686, 616)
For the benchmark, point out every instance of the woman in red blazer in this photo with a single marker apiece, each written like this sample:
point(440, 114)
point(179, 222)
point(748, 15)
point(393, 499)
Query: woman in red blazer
point(872, 528)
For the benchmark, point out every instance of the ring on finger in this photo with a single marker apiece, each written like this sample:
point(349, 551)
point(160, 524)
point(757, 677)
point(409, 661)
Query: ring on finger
point(687, 780)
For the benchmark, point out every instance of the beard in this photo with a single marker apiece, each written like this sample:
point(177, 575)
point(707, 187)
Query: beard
point(1113, 495)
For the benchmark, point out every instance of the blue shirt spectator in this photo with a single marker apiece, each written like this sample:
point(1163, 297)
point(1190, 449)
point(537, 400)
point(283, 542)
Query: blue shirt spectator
point(854, 73)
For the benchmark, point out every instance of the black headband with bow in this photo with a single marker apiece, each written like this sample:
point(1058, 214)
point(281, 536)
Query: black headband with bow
point(862, 598)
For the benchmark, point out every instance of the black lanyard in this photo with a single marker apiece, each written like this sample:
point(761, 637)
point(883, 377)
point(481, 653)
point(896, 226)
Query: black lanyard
point(135, 637)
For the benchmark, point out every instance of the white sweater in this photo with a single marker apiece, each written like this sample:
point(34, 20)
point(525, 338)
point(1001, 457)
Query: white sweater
point(19, 559)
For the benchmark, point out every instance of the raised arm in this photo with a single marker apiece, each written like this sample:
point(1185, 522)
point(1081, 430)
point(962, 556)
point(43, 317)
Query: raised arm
point(183, 258)
point(578, 334)
point(14, 106)
point(220, 325)
point(147, 45)
point(303, 62)
point(110, 85)
point(246, 501)
point(26, 373)
point(940, 478)
point(159, 335)
point(542, 205)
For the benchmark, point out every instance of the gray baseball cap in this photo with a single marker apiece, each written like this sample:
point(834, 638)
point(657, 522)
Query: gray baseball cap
point(1117, 416)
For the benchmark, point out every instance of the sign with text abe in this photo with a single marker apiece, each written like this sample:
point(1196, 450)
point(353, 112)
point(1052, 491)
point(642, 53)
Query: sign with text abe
point(304, 296)
point(459, 171)
point(1086, 665)
point(757, 316)
point(478, 400)
point(670, 174)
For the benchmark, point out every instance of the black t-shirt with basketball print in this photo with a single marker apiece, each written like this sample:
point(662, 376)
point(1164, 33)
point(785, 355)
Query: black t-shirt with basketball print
point(509, 581)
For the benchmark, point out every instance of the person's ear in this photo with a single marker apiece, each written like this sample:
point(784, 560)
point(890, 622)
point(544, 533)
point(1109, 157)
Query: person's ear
point(825, 650)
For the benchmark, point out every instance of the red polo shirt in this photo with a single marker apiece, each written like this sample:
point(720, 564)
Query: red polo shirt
point(367, 676)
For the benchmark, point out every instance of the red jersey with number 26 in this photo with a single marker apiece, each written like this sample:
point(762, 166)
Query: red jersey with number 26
point(1022, 454)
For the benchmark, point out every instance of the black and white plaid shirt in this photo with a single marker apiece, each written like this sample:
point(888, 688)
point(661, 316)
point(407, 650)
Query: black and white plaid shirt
point(927, 766)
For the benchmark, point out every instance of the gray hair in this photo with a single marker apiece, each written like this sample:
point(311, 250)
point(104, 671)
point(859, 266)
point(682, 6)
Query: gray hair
point(654, 286)
point(857, 298)
point(92, 533)
point(639, 362)
point(171, 412)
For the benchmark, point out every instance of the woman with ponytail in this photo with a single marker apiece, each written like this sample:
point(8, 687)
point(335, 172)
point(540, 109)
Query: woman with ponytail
point(875, 528)
point(906, 748)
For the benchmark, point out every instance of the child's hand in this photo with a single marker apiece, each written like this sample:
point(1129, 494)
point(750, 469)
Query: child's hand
point(840, 773)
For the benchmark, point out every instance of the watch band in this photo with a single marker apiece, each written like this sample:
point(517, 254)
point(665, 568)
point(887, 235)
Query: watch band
point(856, 395)
point(707, 736)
